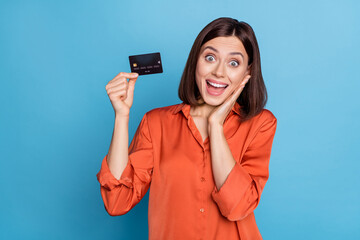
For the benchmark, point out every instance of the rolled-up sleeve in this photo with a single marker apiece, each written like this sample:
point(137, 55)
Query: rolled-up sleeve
point(241, 191)
point(120, 196)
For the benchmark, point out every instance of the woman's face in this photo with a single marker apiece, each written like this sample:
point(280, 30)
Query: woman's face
point(221, 67)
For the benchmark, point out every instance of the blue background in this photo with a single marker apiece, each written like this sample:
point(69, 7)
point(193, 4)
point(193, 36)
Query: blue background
point(56, 119)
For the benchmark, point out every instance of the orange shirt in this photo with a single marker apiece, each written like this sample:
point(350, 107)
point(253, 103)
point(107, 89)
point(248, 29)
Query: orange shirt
point(168, 155)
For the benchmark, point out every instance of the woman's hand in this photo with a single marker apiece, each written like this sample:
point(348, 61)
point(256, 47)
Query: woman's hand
point(121, 92)
point(218, 115)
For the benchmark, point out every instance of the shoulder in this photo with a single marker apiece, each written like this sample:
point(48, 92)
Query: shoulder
point(266, 115)
point(163, 112)
point(267, 121)
point(162, 118)
point(264, 120)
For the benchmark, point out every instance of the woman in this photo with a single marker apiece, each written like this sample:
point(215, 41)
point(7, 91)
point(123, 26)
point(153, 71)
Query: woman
point(205, 160)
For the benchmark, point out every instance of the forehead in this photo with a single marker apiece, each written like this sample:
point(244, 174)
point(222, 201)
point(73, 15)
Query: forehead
point(226, 44)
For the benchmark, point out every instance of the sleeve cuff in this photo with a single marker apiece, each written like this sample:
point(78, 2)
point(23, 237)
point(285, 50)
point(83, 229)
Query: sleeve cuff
point(108, 181)
point(233, 189)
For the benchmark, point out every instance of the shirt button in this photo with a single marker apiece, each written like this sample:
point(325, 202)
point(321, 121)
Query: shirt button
point(202, 210)
point(202, 179)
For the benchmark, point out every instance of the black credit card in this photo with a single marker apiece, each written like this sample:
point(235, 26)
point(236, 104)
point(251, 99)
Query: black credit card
point(146, 63)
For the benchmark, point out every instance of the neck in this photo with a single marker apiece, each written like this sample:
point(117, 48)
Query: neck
point(203, 110)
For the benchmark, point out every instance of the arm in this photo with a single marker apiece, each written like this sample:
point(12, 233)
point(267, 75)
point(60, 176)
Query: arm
point(121, 95)
point(221, 157)
point(121, 195)
point(240, 193)
point(125, 175)
point(118, 151)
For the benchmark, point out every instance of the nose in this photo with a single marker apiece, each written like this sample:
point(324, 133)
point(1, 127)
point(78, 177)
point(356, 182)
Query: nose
point(219, 70)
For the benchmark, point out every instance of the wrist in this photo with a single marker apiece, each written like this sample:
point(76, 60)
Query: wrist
point(121, 118)
point(215, 125)
point(214, 128)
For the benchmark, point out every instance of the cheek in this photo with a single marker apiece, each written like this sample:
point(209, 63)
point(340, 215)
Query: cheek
point(200, 73)
point(237, 76)
point(202, 68)
point(197, 75)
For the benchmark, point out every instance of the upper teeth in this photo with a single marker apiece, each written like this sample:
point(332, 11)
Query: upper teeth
point(216, 84)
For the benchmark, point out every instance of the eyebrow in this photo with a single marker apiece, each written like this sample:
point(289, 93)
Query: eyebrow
point(232, 53)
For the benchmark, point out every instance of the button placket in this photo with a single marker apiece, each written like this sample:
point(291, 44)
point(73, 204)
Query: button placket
point(203, 187)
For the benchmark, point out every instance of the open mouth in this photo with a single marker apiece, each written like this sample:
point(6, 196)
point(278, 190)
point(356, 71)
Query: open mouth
point(215, 88)
point(216, 85)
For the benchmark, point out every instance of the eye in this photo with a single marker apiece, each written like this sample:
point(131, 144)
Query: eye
point(234, 63)
point(209, 58)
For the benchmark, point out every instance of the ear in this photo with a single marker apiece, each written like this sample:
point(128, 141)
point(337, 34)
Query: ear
point(248, 70)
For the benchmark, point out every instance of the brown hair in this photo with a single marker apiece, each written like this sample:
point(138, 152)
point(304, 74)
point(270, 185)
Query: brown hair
point(253, 98)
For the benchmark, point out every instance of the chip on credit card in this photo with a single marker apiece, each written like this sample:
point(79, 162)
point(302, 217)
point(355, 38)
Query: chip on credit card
point(146, 63)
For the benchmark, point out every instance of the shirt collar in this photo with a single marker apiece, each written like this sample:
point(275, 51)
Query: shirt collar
point(185, 108)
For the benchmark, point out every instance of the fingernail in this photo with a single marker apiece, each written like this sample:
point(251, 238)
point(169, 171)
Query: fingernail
point(135, 74)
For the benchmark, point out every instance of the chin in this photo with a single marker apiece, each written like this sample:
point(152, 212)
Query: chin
point(213, 102)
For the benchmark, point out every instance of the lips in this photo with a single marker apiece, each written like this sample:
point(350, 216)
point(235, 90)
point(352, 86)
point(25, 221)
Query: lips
point(214, 87)
point(215, 83)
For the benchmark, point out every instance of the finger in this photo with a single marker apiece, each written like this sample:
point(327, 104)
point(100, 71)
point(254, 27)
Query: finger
point(117, 88)
point(132, 82)
point(122, 77)
point(238, 91)
point(127, 75)
point(235, 95)
point(122, 94)
point(131, 87)
point(229, 102)
point(245, 80)
point(116, 83)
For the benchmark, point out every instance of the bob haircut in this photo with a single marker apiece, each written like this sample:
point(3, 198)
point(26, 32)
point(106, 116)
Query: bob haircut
point(253, 97)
